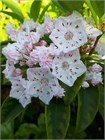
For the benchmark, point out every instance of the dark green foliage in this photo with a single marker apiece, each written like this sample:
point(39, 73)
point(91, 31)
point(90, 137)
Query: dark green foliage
point(10, 109)
point(57, 119)
point(88, 102)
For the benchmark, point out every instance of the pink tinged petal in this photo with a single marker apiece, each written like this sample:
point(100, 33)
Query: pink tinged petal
point(17, 72)
point(29, 63)
point(11, 53)
point(29, 46)
point(60, 93)
point(95, 68)
point(43, 43)
point(33, 37)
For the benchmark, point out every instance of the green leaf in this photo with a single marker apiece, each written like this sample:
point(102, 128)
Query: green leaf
point(101, 103)
point(25, 130)
point(10, 109)
point(14, 7)
point(98, 7)
point(43, 12)
point(88, 102)
point(13, 15)
point(72, 135)
point(71, 5)
point(56, 3)
point(7, 130)
point(35, 9)
point(57, 119)
point(71, 92)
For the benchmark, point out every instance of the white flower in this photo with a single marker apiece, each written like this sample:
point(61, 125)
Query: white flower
point(42, 84)
point(29, 25)
point(11, 31)
point(68, 35)
point(11, 53)
point(93, 77)
point(95, 68)
point(92, 32)
point(33, 37)
point(100, 48)
point(96, 78)
point(67, 67)
point(46, 27)
point(18, 91)
point(9, 70)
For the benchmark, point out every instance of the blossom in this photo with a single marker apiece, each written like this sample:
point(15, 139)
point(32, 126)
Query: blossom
point(96, 78)
point(18, 91)
point(67, 67)
point(11, 31)
point(95, 68)
point(68, 35)
point(33, 37)
point(93, 75)
point(29, 25)
point(42, 84)
point(11, 53)
point(100, 48)
point(9, 69)
point(46, 27)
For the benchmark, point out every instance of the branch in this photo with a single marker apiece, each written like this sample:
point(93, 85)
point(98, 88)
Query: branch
point(95, 44)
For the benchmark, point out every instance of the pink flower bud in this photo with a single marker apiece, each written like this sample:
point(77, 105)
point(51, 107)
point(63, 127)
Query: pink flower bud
point(17, 72)
point(96, 68)
point(95, 82)
point(43, 43)
point(28, 46)
point(29, 63)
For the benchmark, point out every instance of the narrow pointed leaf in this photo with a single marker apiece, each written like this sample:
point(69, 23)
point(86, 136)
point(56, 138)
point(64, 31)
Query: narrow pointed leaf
point(98, 7)
point(71, 5)
point(71, 92)
point(56, 3)
point(57, 119)
point(10, 109)
point(14, 6)
point(13, 15)
point(35, 9)
point(88, 102)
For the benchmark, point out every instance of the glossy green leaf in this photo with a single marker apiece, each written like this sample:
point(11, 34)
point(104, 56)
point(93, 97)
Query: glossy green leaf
point(25, 130)
point(101, 103)
point(13, 15)
point(71, 92)
point(56, 3)
point(98, 7)
point(7, 130)
point(10, 109)
point(14, 6)
point(57, 119)
point(88, 102)
point(43, 12)
point(35, 9)
point(71, 5)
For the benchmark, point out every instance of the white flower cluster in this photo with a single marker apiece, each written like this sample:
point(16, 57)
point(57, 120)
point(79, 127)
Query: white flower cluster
point(42, 54)
point(93, 76)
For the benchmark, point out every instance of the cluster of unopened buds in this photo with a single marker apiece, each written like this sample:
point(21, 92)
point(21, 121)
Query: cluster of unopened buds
point(41, 55)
